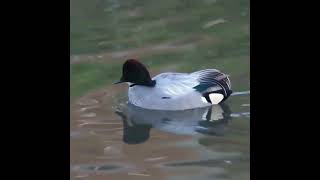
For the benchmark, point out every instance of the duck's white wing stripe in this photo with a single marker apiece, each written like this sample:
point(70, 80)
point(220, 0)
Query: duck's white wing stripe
point(229, 82)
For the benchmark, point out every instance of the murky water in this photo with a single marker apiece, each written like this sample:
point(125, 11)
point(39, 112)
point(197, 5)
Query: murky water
point(111, 139)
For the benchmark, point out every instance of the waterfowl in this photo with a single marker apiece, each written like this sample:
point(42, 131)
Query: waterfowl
point(174, 91)
point(137, 122)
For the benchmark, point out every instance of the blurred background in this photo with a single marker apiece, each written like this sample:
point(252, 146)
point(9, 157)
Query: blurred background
point(166, 35)
point(179, 35)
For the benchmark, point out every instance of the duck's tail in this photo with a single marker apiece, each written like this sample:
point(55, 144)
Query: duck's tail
point(213, 85)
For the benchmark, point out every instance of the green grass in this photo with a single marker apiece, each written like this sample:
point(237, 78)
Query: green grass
point(92, 24)
point(86, 76)
point(102, 26)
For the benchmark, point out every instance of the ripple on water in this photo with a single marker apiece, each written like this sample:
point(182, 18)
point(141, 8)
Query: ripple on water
point(78, 134)
point(138, 174)
point(151, 159)
point(88, 115)
point(242, 114)
point(88, 108)
point(240, 93)
point(110, 131)
point(221, 162)
point(87, 102)
point(98, 168)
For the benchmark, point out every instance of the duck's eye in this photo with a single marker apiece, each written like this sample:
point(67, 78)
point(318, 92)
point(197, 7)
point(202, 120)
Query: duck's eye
point(165, 97)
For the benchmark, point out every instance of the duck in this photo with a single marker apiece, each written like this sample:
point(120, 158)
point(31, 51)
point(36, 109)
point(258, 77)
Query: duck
point(138, 122)
point(172, 90)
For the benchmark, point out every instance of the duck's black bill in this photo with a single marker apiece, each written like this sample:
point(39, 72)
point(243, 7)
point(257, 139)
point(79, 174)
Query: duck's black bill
point(118, 82)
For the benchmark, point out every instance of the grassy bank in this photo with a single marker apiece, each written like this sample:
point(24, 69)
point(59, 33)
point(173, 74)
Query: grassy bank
point(116, 25)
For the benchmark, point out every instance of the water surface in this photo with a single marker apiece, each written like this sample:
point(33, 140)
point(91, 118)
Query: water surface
point(116, 140)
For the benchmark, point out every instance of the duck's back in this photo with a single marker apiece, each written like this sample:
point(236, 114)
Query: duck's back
point(173, 91)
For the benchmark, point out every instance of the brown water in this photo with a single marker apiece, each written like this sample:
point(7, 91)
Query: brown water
point(111, 140)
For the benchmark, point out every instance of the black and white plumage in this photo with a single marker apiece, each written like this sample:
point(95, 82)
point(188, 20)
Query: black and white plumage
point(212, 83)
point(176, 91)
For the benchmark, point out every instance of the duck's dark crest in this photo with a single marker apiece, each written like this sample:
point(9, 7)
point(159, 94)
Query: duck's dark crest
point(135, 72)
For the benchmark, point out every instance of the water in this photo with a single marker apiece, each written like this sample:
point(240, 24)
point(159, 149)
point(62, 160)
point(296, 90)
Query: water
point(116, 140)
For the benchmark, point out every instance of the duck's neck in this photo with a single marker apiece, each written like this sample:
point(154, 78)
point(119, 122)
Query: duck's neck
point(151, 83)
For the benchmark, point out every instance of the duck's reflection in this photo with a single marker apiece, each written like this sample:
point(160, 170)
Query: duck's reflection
point(137, 122)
